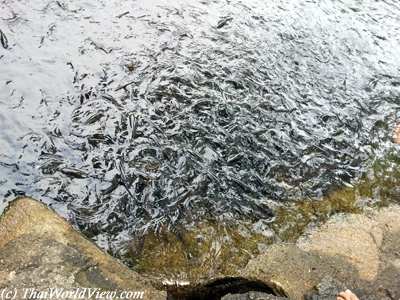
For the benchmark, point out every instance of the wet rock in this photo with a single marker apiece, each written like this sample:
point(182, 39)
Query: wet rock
point(40, 250)
point(199, 253)
point(354, 251)
point(212, 248)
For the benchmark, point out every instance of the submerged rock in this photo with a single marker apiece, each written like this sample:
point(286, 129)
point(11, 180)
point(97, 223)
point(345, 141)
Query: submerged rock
point(40, 250)
point(201, 252)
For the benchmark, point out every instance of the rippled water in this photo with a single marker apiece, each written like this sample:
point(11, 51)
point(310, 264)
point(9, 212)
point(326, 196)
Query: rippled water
point(129, 115)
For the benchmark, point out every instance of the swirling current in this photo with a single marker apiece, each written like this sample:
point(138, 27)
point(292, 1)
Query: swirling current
point(130, 115)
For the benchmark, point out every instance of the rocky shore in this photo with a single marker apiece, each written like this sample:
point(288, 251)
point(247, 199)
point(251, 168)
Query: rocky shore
point(39, 249)
point(356, 251)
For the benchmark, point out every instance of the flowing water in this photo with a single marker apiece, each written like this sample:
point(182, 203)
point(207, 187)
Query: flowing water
point(135, 115)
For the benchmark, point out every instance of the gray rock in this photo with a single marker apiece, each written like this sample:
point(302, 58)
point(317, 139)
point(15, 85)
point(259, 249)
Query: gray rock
point(251, 296)
point(356, 252)
point(40, 250)
point(327, 289)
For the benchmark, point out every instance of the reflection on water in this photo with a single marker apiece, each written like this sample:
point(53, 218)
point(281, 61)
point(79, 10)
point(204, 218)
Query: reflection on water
point(208, 249)
point(133, 115)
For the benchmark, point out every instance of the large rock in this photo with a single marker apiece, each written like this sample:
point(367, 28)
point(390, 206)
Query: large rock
point(356, 238)
point(292, 272)
point(40, 250)
point(359, 252)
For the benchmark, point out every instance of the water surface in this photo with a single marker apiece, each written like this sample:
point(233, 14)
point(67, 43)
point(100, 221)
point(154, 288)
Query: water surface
point(132, 115)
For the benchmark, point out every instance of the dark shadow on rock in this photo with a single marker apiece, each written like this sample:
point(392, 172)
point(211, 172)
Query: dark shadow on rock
point(225, 288)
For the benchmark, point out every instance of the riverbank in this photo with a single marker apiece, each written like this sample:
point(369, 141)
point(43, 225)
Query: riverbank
point(39, 249)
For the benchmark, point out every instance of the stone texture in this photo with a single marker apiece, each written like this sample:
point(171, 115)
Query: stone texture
point(356, 251)
point(251, 296)
point(327, 289)
point(293, 272)
point(40, 250)
point(356, 238)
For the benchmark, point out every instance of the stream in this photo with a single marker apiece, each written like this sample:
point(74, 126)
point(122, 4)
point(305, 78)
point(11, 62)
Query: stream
point(131, 116)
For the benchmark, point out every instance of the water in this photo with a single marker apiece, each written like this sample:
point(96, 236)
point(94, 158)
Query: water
point(135, 115)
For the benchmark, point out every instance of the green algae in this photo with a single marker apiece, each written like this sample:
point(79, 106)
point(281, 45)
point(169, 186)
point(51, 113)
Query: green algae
point(202, 251)
point(212, 248)
point(378, 187)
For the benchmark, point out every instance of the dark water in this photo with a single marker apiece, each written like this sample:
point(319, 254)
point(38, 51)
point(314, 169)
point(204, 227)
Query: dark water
point(129, 115)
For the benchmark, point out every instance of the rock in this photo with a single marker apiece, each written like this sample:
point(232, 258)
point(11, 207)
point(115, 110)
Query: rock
point(361, 252)
point(201, 252)
point(356, 238)
point(292, 272)
point(40, 250)
point(251, 296)
point(327, 289)
point(356, 251)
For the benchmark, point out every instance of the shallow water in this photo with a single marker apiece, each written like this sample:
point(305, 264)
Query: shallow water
point(132, 115)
